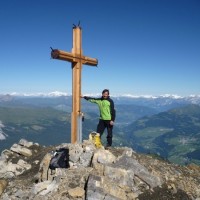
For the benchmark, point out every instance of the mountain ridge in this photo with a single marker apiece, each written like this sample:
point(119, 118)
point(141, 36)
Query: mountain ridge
point(30, 121)
point(173, 134)
point(58, 94)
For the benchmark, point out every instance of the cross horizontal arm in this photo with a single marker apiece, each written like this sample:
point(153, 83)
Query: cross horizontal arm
point(62, 55)
point(89, 61)
point(66, 56)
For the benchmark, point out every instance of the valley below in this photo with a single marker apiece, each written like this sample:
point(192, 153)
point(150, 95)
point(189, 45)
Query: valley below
point(170, 130)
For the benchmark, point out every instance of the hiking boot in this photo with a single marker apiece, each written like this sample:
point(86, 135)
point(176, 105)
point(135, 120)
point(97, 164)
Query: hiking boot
point(107, 146)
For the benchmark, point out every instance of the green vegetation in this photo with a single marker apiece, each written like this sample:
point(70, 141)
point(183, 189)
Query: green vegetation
point(31, 115)
point(46, 126)
point(173, 135)
point(152, 132)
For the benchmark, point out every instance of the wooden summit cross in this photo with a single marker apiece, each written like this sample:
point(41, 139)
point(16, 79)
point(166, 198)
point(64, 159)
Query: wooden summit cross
point(77, 59)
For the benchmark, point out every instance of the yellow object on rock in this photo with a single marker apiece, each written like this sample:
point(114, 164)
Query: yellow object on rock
point(95, 138)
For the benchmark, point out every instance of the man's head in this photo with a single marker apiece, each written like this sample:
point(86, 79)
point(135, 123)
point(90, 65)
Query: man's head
point(105, 93)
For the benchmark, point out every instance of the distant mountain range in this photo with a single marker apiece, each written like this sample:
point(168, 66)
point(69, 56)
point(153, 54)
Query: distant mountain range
point(63, 100)
point(173, 134)
point(165, 125)
point(58, 94)
point(129, 108)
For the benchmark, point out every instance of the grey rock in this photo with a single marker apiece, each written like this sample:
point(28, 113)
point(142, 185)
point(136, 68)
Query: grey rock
point(114, 174)
point(37, 188)
point(85, 159)
point(24, 142)
point(75, 152)
point(129, 163)
point(21, 150)
point(124, 178)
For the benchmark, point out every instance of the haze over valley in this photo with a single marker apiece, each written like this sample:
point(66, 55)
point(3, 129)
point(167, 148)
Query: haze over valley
point(167, 126)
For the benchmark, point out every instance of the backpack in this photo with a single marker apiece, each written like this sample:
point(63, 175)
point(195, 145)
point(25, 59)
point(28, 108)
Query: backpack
point(60, 159)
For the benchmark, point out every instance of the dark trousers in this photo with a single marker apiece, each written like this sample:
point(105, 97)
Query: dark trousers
point(101, 127)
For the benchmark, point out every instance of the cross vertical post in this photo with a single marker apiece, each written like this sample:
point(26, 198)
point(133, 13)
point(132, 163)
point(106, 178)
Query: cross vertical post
point(76, 84)
point(77, 59)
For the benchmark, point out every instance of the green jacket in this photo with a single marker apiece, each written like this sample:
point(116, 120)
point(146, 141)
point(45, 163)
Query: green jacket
point(106, 107)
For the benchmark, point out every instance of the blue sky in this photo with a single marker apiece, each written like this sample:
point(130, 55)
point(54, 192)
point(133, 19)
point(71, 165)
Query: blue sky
point(144, 47)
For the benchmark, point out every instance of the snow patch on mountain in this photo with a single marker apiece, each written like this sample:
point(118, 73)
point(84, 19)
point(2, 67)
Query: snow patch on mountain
point(131, 96)
point(41, 94)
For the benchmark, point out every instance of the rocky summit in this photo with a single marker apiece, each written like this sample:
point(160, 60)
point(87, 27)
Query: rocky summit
point(117, 173)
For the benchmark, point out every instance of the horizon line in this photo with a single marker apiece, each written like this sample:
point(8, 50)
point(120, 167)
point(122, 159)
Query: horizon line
point(58, 93)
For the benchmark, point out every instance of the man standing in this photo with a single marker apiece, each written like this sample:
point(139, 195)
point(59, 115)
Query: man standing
point(107, 114)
